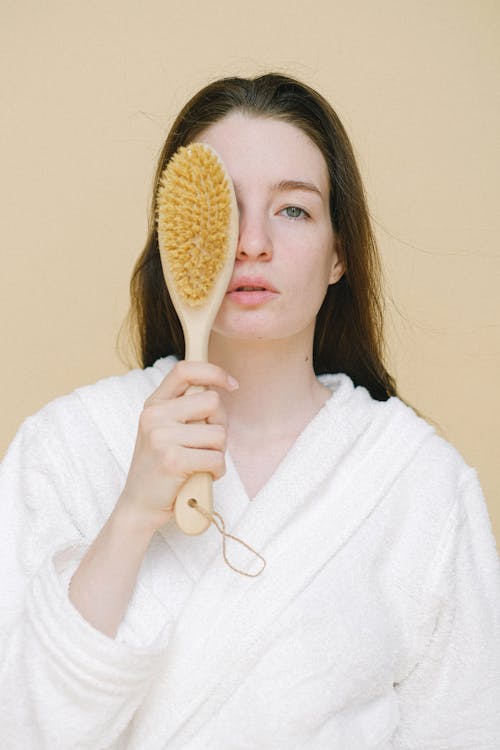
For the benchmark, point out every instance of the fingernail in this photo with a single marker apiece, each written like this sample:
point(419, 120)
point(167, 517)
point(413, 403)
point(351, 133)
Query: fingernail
point(232, 382)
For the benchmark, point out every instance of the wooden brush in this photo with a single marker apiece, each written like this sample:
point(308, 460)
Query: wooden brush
point(197, 233)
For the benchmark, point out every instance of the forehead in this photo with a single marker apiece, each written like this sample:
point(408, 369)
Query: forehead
point(265, 148)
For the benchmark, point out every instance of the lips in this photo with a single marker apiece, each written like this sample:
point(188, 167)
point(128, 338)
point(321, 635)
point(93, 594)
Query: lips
point(250, 284)
point(251, 291)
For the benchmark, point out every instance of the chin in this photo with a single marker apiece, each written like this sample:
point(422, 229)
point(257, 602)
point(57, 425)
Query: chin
point(245, 335)
point(263, 325)
point(262, 333)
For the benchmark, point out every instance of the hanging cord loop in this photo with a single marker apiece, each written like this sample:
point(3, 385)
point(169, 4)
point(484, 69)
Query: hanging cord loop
point(193, 503)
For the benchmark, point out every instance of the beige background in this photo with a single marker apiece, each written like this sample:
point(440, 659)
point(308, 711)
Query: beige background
point(89, 88)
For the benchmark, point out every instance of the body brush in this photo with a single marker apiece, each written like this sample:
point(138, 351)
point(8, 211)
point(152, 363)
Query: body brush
point(197, 234)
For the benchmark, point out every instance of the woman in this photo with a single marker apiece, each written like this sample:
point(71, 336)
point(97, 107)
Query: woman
point(376, 622)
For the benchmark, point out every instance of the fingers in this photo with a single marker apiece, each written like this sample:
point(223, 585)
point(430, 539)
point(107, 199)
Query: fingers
point(185, 374)
point(183, 462)
point(204, 436)
point(179, 434)
point(205, 406)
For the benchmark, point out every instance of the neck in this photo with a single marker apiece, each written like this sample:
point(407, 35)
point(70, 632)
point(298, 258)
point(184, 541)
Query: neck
point(279, 392)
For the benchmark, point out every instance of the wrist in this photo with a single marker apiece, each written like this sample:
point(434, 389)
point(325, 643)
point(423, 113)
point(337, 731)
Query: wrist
point(103, 583)
point(137, 521)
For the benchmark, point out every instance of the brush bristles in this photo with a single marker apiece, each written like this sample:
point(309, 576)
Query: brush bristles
point(194, 209)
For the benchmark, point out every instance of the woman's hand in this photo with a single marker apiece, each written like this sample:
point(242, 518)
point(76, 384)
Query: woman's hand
point(179, 434)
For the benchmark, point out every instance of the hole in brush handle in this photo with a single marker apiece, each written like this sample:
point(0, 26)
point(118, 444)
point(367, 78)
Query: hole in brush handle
point(187, 518)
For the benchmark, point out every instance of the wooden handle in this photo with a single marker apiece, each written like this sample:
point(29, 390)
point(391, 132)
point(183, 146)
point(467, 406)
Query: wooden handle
point(188, 519)
point(199, 487)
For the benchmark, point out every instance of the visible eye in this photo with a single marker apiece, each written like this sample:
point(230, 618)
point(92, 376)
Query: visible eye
point(294, 212)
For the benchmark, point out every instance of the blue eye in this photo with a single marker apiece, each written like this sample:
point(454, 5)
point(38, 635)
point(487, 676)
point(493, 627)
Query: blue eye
point(294, 212)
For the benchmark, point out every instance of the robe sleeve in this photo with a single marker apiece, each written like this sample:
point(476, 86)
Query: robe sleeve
point(451, 698)
point(63, 684)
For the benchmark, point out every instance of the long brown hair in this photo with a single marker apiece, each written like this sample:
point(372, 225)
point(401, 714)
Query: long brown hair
point(348, 334)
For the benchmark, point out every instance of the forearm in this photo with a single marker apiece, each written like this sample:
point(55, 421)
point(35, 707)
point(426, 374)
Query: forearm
point(103, 583)
point(62, 682)
point(178, 435)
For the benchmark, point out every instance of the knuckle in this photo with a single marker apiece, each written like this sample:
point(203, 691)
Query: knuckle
point(156, 441)
point(219, 418)
point(219, 465)
point(220, 437)
point(182, 369)
point(170, 459)
point(213, 400)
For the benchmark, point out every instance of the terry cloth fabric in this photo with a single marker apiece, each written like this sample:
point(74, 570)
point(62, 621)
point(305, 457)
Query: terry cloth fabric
point(375, 624)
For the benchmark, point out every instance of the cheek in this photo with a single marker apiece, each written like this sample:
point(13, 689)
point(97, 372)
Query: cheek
point(310, 269)
point(309, 244)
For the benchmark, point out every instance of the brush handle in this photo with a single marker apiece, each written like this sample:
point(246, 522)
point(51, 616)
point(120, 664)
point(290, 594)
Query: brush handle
point(199, 487)
point(189, 520)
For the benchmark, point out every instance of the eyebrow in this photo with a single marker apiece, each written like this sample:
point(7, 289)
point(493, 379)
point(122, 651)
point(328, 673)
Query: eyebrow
point(285, 185)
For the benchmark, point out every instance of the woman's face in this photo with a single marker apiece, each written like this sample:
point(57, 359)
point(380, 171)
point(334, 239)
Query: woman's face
point(286, 255)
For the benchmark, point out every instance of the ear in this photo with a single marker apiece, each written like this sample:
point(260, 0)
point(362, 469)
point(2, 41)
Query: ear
point(337, 269)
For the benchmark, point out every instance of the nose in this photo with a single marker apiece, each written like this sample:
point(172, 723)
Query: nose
point(254, 241)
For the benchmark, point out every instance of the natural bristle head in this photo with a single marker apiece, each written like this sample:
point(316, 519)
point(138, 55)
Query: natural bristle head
point(194, 208)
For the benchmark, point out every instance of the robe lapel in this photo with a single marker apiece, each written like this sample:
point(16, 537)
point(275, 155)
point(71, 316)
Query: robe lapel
point(272, 505)
point(338, 471)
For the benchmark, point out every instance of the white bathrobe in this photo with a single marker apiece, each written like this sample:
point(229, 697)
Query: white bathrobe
point(375, 624)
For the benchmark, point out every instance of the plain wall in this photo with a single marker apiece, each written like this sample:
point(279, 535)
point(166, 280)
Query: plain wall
point(88, 91)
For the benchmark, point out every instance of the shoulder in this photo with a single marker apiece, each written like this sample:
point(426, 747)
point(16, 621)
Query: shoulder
point(435, 488)
point(104, 413)
point(74, 453)
point(437, 456)
point(123, 395)
point(129, 389)
point(395, 435)
point(427, 493)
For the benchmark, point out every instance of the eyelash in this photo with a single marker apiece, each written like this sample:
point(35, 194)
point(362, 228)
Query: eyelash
point(303, 216)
